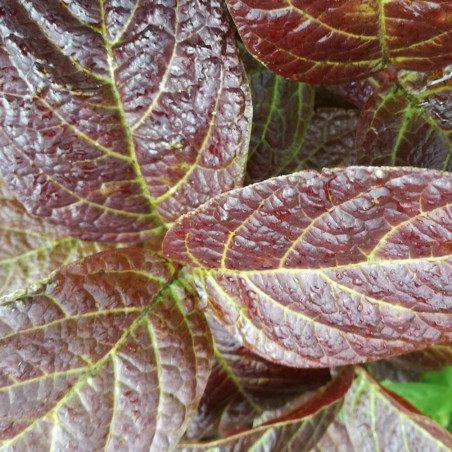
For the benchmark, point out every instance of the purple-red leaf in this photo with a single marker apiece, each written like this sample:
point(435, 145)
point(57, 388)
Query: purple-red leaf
point(117, 118)
point(408, 121)
point(336, 42)
point(282, 112)
point(335, 439)
point(31, 248)
point(379, 419)
point(108, 354)
point(317, 270)
point(243, 385)
point(298, 430)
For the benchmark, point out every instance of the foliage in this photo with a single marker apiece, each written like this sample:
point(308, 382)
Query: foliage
point(181, 269)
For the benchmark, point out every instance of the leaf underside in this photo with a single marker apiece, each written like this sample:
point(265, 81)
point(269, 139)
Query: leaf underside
point(318, 270)
point(116, 119)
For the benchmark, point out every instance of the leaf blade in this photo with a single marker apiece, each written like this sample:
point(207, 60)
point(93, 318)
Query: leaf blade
point(315, 270)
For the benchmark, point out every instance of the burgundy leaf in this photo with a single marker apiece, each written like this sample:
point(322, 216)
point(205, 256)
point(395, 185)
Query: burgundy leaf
point(298, 430)
point(242, 386)
point(408, 121)
point(108, 354)
point(378, 419)
point(282, 112)
point(318, 270)
point(335, 439)
point(32, 248)
point(326, 42)
point(118, 117)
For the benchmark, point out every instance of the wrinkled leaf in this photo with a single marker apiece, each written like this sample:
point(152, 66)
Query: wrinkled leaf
point(335, 439)
point(31, 248)
point(329, 141)
point(378, 419)
point(318, 270)
point(408, 121)
point(325, 42)
point(242, 386)
point(108, 353)
point(117, 118)
point(298, 430)
point(282, 112)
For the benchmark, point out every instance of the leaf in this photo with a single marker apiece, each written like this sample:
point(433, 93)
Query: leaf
point(282, 112)
point(335, 439)
point(320, 270)
point(329, 141)
point(298, 430)
point(433, 400)
point(378, 419)
point(108, 353)
point(408, 121)
point(320, 42)
point(32, 248)
point(118, 119)
point(242, 386)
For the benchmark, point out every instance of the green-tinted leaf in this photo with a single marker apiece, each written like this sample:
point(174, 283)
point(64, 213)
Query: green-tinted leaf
point(325, 42)
point(317, 270)
point(30, 247)
point(282, 112)
point(378, 419)
point(118, 117)
point(298, 430)
point(107, 354)
point(408, 121)
point(242, 386)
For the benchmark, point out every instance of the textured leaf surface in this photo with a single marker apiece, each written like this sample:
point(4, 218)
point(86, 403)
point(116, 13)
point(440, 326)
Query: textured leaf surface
point(311, 269)
point(282, 112)
point(378, 419)
point(335, 439)
point(296, 431)
point(325, 42)
point(107, 354)
point(242, 386)
point(117, 118)
point(30, 247)
point(329, 141)
point(408, 121)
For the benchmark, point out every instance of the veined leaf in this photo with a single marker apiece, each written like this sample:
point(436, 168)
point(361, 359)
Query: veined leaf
point(298, 430)
point(335, 439)
point(378, 419)
point(117, 118)
point(109, 353)
point(243, 385)
point(408, 121)
point(318, 270)
point(282, 112)
point(325, 42)
point(32, 248)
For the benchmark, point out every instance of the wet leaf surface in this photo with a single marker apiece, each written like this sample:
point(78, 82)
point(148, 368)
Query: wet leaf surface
point(408, 121)
point(117, 118)
point(243, 385)
point(321, 42)
point(110, 351)
point(378, 419)
point(318, 270)
point(32, 248)
point(298, 430)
